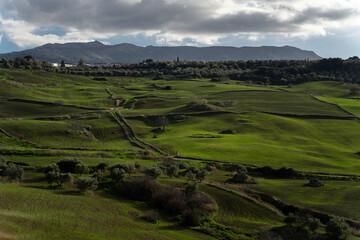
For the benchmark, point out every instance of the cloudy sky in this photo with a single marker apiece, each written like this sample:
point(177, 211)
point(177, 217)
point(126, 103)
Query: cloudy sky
point(331, 28)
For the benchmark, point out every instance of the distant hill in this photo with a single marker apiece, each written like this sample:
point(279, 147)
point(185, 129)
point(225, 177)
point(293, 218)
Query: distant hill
point(96, 52)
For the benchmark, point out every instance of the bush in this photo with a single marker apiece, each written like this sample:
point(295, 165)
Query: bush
point(86, 183)
point(118, 175)
point(151, 216)
point(128, 167)
point(314, 183)
point(102, 166)
point(191, 188)
point(202, 174)
point(278, 173)
point(153, 172)
point(337, 228)
point(68, 164)
point(313, 223)
point(10, 171)
point(190, 176)
point(81, 168)
point(52, 168)
point(188, 203)
point(191, 218)
point(13, 172)
point(290, 219)
point(58, 178)
point(172, 171)
point(242, 178)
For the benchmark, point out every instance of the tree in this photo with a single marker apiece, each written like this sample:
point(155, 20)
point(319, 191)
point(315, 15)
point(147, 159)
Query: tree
point(58, 178)
point(81, 168)
point(86, 184)
point(153, 172)
point(190, 176)
point(102, 166)
point(163, 121)
point(118, 175)
point(51, 168)
point(337, 228)
point(130, 168)
point(172, 171)
point(14, 172)
point(191, 188)
point(81, 62)
point(62, 64)
point(202, 174)
point(69, 164)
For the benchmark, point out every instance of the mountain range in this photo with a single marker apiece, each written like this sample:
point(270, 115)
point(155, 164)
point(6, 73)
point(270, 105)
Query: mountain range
point(97, 52)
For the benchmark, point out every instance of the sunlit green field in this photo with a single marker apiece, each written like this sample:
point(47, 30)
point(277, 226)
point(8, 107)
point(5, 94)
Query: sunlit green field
point(45, 117)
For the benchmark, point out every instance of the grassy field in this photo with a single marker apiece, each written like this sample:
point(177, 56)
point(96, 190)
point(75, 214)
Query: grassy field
point(30, 210)
point(264, 139)
point(336, 197)
point(53, 115)
point(241, 213)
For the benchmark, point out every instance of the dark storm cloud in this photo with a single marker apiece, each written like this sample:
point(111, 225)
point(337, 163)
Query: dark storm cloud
point(116, 16)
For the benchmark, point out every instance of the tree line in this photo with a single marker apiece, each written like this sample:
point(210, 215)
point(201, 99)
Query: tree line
point(277, 72)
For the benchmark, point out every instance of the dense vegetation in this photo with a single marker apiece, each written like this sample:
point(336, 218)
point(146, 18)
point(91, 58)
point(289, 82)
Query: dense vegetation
point(171, 155)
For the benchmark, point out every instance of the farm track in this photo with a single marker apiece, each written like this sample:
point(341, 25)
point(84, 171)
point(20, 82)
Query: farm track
point(131, 134)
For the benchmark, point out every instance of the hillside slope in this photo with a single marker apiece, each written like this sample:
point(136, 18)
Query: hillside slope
point(96, 52)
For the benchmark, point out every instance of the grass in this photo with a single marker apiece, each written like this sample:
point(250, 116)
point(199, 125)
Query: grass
point(263, 139)
point(323, 89)
point(351, 105)
point(32, 211)
point(104, 133)
point(241, 213)
point(273, 125)
point(340, 198)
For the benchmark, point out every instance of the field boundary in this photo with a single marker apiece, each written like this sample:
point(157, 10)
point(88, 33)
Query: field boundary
point(335, 105)
point(129, 132)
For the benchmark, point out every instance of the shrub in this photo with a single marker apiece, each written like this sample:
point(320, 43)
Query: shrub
point(313, 223)
point(242, 178)
point(13, 172)
point(58, 178)
point(182, 165)
point(190, 176)
point(117, 175)
point(153, 172)
point(314, 183)
point(191, 188)
point(290, 219)
point(140, 189)
point(172, 171)
point(202, 174)
point(191, 218)
point(137, 165)
point(277, 173)
point(152, 216)
point(128, 167)
point(52, 168)
point(337, 228)
point(98, 176)
point(102, 166)
point(81, 168)
point(68, 164)
point(191, 206)
point(86, 183)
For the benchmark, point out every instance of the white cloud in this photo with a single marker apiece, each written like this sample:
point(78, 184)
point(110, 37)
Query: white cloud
point(174, 22)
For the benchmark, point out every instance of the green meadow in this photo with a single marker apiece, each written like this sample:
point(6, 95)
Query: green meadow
point(311, 127)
